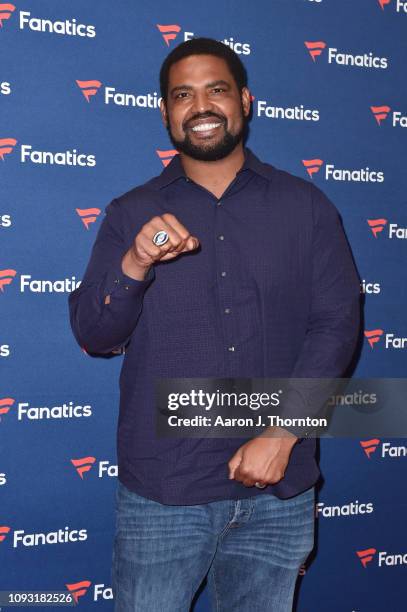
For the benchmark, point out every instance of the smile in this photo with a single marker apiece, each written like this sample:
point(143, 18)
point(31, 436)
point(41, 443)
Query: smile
point(205, 127)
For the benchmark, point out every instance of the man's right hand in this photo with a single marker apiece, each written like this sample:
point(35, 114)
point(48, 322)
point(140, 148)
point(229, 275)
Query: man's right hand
point(144, 253)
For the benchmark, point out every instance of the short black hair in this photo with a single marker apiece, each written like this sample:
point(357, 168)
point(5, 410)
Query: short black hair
point(203, 46)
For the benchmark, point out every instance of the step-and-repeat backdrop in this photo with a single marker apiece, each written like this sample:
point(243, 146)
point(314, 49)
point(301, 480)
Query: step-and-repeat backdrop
point(80, 125)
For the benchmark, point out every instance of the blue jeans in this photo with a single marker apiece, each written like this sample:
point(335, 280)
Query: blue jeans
point(250, 549)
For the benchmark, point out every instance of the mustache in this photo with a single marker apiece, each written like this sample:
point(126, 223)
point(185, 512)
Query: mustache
point(204, 116)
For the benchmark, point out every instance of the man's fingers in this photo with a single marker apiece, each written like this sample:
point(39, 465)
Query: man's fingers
point(175, 241)
point(234, 463)
point(147, 246)
point(190, 242)
point(169, 255)
point(244, 475)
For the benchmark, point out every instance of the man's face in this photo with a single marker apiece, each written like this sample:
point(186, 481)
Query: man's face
point(205, 114)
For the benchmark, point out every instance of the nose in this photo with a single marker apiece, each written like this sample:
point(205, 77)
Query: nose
point(202, 103)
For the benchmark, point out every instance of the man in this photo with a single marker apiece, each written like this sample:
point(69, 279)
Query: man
point(222, 266)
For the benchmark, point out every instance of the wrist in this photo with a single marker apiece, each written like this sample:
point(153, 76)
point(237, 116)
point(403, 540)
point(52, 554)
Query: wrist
point(132, 267)
point(287, 438)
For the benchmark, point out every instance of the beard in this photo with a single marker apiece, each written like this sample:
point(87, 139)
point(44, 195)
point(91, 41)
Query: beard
point(211, 151)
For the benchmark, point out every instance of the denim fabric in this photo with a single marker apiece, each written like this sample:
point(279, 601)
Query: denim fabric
point(251, 549)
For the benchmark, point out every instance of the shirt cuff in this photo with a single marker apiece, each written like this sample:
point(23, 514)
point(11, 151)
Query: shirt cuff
point(119, 284)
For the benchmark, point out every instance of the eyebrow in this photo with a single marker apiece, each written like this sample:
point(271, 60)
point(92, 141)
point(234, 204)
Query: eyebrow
point(189, 87)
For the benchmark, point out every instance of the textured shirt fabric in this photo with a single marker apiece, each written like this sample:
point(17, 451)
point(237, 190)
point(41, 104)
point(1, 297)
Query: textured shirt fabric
point(272, 291)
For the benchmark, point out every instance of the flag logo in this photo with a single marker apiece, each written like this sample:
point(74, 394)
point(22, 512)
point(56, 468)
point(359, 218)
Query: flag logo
point(166, 156)
point(89, 88)
point(6, 10)
point(6, 276)
point(312, 165)
point(4, 530)
point(5, 405)
point(88, 215)
point(6, 146)
point(78, 589)
point(169, 32)
point(373, 336)
point(83, 465)
point(376, 225)
point(369, 446)
point(366, 556)
point(315, 48)
point(380, 113)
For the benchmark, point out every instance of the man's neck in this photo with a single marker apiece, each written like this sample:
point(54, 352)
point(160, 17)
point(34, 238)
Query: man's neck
point(217, 175)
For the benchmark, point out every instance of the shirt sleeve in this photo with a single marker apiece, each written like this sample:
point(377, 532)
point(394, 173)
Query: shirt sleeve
point(334, 318)
point(101, 327)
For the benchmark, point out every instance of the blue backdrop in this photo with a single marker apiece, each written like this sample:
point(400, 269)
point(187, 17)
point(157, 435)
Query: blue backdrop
point(80, 125)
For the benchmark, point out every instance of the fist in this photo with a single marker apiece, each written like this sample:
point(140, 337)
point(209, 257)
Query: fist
point(144, 253)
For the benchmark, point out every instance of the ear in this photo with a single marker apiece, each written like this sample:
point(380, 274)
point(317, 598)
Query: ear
point(163, 110)
point(246, 102)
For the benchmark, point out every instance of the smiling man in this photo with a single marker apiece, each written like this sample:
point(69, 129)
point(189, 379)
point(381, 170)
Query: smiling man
point(220, 267)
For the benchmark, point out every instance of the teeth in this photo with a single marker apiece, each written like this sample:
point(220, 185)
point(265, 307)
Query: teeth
point(205, 126)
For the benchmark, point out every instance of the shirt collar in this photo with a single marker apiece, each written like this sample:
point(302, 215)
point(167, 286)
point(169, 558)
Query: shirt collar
point(174, 170)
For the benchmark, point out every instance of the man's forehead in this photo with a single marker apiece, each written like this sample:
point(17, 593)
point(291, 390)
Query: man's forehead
point(200, 67)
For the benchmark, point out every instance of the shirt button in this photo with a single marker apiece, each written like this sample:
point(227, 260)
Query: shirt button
point(116, 280)
point(223, 273)
point(231, 348)
point(221, 237)
point(219, 203)
point(126, 287)
point(187, 179)
point(227, 310)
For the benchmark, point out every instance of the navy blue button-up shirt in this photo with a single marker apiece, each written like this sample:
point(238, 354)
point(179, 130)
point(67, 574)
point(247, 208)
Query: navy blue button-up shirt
point(272, 291)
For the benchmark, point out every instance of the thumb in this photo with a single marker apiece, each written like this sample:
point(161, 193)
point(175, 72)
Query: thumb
point(235, 462)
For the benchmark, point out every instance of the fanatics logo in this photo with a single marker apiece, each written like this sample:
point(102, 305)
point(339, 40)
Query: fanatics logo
point(369, 446)
point(391, 341)
point(315, 48)
point(6, 11)
point(395, 231)
point(376, 225)
point(169, 32)
point(373, 336)
point(380, 113)
point(66, 27)
point(388, 450)
point(78, 589)
point(66, 158)
point(344, 58)
point(312, 165)
point(88, 215)
point(4, 530)
point(356, 175)
point(83, 465)
point(5, 405)
point(366, 556)
point(397, 118)
point(166, 156)
point(401, 5)
point(297, 112)
point(6, 276)
point(241, 48)
point(6, 146)
point(89, 88)
point(104, 467)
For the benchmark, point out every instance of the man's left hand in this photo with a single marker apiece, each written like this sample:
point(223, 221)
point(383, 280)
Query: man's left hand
point(263, 459)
